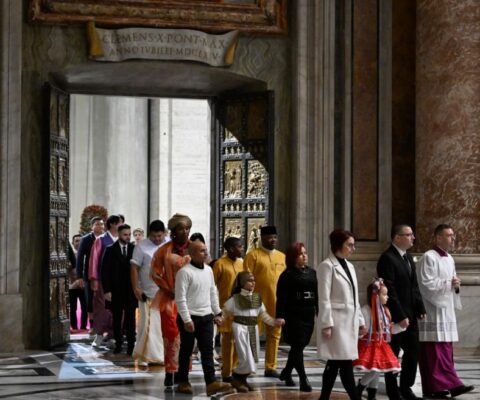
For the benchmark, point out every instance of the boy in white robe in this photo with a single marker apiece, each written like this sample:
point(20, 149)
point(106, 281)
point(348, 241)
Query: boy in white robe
point(246, 306)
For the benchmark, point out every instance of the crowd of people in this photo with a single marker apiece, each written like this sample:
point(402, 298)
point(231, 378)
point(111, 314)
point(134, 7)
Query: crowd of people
point(183, 298)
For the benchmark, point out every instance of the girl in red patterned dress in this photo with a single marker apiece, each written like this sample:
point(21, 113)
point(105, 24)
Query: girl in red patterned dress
point(374, 353)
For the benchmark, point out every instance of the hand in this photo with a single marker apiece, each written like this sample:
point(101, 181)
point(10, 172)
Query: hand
point(279, 322)
point(456, 282)
point(138, 293)
point(362, 330)
point(108, 296)
point(404, 323)
point(80, 283)
point(218, 320)
point(423, 316)
point(189, 326)
point(94, 284)
point(327, 332)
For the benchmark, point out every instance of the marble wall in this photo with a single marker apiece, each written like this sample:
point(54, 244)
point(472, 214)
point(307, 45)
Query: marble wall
point(403, 112)
point(448, 120)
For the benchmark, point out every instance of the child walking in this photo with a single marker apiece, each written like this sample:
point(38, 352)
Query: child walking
point(246, 306)
point(374, 353)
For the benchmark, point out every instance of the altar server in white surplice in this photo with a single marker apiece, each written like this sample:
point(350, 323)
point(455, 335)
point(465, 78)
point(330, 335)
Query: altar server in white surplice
point(440, 289)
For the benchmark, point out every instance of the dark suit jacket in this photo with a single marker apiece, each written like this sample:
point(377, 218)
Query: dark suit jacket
point(405, 300)
point(116, 275)
point(83, 255)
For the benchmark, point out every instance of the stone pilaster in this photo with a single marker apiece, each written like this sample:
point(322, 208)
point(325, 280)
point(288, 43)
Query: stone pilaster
point(11, 302)
point(313, 125)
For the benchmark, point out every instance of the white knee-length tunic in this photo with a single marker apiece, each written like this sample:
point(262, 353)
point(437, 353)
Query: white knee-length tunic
point(244, 342)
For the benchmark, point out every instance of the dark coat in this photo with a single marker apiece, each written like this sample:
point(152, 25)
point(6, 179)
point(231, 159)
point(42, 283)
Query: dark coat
point(404, 298)
point(297, 304)
point(116, 275)
point(83, 255)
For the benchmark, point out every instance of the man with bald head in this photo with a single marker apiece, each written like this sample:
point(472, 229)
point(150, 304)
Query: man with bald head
point(198, 309)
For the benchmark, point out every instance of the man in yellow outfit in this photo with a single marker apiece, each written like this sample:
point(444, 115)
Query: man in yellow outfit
point(266, 264)
point(225, 271)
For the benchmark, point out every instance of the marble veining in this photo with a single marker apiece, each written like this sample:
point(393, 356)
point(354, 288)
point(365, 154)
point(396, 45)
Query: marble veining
point(448, 121)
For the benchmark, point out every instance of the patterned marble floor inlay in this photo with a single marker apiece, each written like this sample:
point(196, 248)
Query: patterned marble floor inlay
point(80, 371)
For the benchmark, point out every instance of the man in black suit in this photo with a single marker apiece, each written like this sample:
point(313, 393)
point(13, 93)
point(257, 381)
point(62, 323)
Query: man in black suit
point(83, 259)
point(117, 287)
point(397, 269)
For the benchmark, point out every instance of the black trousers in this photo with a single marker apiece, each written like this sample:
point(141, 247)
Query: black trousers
point(88, 295)
point(295, 360)
point(77, 294)
point(346, 376)
point(408, 342)
point(203, 332)
point(123, 313)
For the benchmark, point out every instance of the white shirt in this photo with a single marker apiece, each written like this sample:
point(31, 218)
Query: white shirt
point(142, 257)
point(195, 292)
point(400, 251)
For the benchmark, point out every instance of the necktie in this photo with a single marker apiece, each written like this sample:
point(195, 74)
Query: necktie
point(409, 267)
point(124, 251)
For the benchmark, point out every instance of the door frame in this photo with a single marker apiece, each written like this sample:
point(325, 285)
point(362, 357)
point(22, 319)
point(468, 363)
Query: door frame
point(203, 83)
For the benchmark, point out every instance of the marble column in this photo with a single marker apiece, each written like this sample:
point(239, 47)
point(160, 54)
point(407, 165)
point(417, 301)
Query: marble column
point(109, 157)
point(313, 125)
point(11, 298)
point(180, 154)
point(448, 121)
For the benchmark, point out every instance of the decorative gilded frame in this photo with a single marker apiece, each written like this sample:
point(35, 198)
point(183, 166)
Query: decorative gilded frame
point(254, 16)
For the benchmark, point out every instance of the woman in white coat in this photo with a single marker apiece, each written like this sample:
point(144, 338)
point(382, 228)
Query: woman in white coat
point(340, 320)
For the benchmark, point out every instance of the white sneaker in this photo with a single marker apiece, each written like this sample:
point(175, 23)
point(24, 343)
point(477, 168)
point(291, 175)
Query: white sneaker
point(97, 341)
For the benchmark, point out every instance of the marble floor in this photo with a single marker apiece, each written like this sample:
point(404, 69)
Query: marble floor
point(80, 371)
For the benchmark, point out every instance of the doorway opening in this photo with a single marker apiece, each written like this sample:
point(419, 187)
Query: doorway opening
point(144, 158)
point(229, 185)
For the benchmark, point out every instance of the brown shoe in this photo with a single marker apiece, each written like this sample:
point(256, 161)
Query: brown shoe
point(218, 387)
point(185, 388)
point(240, 386)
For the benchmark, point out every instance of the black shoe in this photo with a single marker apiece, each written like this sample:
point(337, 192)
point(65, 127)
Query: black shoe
point(461, 390)
point(227, 379)
point(271, 373)
point(117, 350)
point(371, 394)
point(305, 385)
point(408, 394)
point(168, 379)
point(287, 378)
point(437, 395)
point(360, 389)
